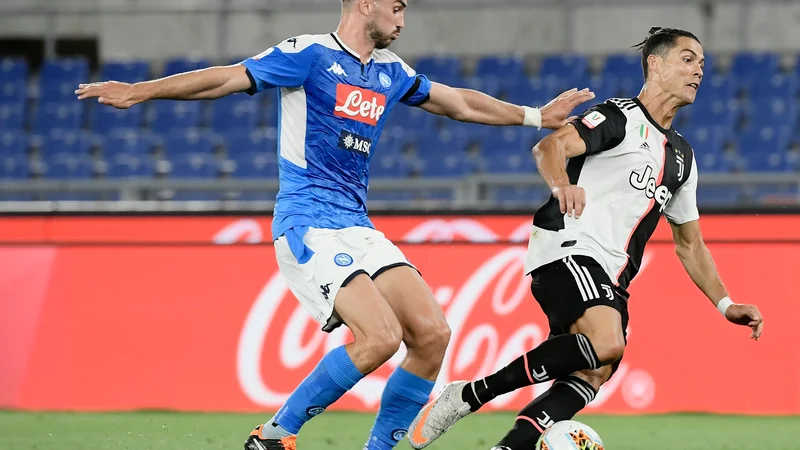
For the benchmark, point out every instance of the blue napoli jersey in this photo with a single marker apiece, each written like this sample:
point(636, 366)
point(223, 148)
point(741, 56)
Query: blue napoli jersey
point(332, 111)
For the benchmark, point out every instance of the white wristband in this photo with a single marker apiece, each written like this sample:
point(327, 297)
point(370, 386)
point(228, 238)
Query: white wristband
point(723, 305)
point(533, 117)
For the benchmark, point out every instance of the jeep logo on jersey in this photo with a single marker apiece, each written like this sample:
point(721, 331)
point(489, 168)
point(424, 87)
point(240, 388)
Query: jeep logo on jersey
point(359, 104)
point(354, 143)
point(646, 182)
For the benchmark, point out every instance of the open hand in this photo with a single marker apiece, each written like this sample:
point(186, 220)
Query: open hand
point(555, 114)
point(111, 93)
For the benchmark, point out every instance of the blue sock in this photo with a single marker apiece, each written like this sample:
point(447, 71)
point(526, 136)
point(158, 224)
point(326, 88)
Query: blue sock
point(333, 376)
point(403, 397)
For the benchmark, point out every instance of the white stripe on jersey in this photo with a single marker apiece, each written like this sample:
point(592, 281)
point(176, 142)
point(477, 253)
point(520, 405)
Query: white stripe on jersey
point(578, 279)
point(294, 111)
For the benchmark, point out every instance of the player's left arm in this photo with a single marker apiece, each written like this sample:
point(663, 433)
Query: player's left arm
point(698, 262)
point(467, 105)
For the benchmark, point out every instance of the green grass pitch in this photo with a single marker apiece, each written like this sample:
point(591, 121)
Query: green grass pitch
point(346, 431)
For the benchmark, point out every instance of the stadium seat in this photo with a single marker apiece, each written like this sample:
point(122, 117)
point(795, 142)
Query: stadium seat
point(776, 86)
point(511, 162)
point(13, 92)
point(603, 86)
point(765, 162)
point(12, 117)
point(566, 67)
point(180, 65)
point(531, 91)
point(13, 166)
point(444, 69)
point(472, 132)
point(13, 143)
point(716, 87)
point(76, 143)
point(130, 165)
point(719, 196)
point(763, 149)
point(13, 69)
point(64, 166)
point(714, 113)
point(248, 142)
point(192, 165)
point(443, 164)
point(64, 115)
point(188, 141)
point(165, 115)
point(59, 78)
point(622, 65)
point(443, 141)
point(706, 139)
point(505, 140)
point(490, 85)
point(501, 67)
point(749, 65)
point(389, 166)
point(128, 142)
point(235, 112)
point(125, 71)
point(771, 112)
point(104, 119)
point(388, 145)
point(255, 165)
point(708, 162)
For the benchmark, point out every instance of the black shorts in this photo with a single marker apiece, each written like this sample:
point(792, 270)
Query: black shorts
point(566, 288)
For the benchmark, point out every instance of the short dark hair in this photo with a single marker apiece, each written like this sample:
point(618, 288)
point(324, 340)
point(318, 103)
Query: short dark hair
point(659, 42)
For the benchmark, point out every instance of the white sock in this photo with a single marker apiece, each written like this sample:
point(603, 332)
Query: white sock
point(271, 430)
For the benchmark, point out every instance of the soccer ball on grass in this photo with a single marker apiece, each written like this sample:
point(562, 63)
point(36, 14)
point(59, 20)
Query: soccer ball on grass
point(569, 435)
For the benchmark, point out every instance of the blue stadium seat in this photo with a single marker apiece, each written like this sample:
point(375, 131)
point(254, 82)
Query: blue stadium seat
point(444, 69)
point(13, 69)
point(505, 140)
point(472, 132)
point(501, 67)
point(388, 166)
point(630, 86)
point(755, 65)
point(511, 162)
point(104, 119)
point(443, 141)
point(125, 71)
point(569, 68)
point(531, 91)
point(413, 120)
point(763, 149)
point(13, 92)
point(59, 78)
point(710, 195)
point(13, 166)
point(192, 165)
point(130, 165)
point(13, 143)
point(248, 142)
point(269, 111)
point(180, 65)
point(444, 164)
point(489, 85)
point(70, 142)
point(189, 141)
point(706, 139)
point(775, 112)
point(622, 65)
point(708, 162)
point(603, 86)
point(717, 87)
point(776, 161)
point(714, 113)
point(63, 166)
point(389, 145)
point(235, 112)
point(128, 142)
point(51, 116)
point(165, 116)
point(255, 165)
point(776, 86)
point(12, 117)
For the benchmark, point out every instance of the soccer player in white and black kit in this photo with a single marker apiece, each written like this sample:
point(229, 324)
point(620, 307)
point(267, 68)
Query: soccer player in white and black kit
point(626, 167)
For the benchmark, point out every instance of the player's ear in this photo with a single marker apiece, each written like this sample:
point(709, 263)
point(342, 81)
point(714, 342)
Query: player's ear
point(654, 64)
point(365, 6)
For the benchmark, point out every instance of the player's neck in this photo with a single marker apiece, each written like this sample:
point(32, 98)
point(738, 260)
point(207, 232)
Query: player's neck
point(356, 39)
point(661, 106)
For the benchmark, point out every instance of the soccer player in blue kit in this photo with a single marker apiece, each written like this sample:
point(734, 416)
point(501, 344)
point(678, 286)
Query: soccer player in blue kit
point(335, 92)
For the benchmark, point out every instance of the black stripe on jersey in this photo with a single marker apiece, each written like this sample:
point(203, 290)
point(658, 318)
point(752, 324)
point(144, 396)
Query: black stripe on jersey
point(413, 90)
point(624, 103)
point(333, 35)
point(549, 216)
point(253, 87)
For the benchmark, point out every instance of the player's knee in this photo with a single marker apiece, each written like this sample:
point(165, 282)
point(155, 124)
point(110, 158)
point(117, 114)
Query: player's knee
point(382, 342)
point(430, 339)
point(609, 347)
point(595, 377)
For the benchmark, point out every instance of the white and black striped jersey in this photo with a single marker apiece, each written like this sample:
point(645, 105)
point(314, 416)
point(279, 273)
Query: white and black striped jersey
point(633, 171)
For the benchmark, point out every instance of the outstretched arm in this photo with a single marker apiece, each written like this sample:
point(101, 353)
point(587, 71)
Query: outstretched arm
point(467, 105)
point(204, 84)
point(697, 260)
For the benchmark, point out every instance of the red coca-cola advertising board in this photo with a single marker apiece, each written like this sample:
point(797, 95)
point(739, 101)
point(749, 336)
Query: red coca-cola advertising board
point(120, 313)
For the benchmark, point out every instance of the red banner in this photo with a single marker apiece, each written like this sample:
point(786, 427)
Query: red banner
point(228, 230)
point(214, 328)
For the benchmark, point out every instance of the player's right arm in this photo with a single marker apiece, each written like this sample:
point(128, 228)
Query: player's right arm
point(284, 65)
point(600, 128)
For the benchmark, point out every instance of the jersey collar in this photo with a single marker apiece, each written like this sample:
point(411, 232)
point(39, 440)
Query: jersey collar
point(649, 117)
point(347, 49)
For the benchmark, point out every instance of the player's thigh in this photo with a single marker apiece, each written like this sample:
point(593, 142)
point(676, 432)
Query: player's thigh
point(577, 296)
point(422, 319)
point(334, 287)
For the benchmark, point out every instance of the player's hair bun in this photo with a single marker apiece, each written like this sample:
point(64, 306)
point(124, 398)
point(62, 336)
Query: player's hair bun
point(655, 30)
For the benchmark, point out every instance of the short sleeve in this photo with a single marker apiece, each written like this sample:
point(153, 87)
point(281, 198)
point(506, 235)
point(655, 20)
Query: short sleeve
point(416, 87)
point(602, 127)
point(284, 65)
point(682, 208)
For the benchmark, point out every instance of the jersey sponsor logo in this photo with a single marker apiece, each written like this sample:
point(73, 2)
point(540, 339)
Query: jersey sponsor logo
point(645, 181)
point(337, 70)
point(325, 290)
point(593, 119)
point(359, 104)
point(354, 143)
point(644, 146)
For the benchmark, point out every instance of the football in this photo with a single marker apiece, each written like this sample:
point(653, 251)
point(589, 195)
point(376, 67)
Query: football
point(570, 435)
